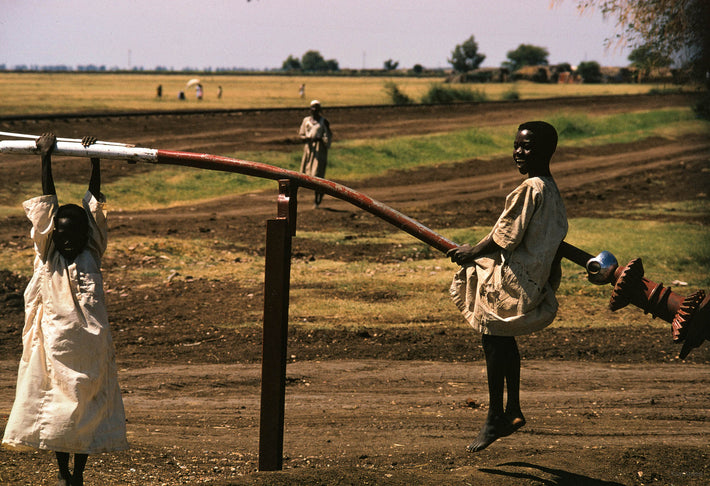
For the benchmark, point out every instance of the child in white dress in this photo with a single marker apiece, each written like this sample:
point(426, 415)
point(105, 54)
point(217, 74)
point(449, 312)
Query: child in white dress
point(67, 397)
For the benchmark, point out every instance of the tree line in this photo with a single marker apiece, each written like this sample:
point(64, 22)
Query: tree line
point(662, 32)
point(466, 59)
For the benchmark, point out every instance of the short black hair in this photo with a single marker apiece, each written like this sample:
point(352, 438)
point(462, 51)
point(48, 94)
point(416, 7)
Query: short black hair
point(545, 133)
point(75, 213)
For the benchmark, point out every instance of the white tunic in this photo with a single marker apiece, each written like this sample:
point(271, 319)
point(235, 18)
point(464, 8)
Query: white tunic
point(508, 293)
point(67, 397)
point(315, 151)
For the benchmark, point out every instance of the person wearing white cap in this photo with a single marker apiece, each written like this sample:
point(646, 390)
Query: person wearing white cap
point(315, 132)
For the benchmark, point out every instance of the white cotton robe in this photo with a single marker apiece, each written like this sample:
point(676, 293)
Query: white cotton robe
point(315, 152)
point(67, 397)
point(508, 293)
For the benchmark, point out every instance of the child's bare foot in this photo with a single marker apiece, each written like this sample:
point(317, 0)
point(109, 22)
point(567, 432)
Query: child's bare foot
point(494, 429)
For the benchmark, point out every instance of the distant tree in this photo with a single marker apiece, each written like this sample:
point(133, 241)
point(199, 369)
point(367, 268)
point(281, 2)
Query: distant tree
point(590, 71)
point(332, 65)
point(314, 61)
point(563, 67)
point(646, 58)
point(669, 27)
point(291, 64)
point(526, 55)
point(465, 57)
point(418, 69)
point(390, 65)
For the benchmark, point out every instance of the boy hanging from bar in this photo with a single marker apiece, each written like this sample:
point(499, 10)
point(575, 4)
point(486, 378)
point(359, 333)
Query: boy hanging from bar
point(67, 397)
point(508, 281)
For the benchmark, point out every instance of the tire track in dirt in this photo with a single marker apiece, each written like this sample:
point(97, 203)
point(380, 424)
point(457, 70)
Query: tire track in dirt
point(569, 174)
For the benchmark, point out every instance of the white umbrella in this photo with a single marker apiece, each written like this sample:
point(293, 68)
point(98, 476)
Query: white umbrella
point(192, 83)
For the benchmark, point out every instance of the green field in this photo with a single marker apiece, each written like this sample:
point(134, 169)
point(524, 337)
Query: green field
point(33, 93)
point(360, 159)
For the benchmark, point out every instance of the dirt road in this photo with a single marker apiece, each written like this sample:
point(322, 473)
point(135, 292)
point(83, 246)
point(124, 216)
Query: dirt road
point(381, 407)
point(403, 422)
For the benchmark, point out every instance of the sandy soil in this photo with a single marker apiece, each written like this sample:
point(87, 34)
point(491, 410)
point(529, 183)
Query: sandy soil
point(379, 406)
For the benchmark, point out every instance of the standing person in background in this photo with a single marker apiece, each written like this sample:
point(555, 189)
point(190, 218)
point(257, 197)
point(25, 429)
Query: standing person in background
point(67, 398)
point(315, 131)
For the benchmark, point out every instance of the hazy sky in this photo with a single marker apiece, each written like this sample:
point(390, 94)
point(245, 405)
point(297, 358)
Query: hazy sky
point(263, 33)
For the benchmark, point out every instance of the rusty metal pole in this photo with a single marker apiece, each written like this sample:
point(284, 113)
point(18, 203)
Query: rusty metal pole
point(279, 232)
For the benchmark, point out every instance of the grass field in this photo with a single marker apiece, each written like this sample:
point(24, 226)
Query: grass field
point(33, 93)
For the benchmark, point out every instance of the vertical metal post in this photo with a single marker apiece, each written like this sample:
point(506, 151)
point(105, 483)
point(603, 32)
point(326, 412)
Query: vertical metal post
point(277, 274)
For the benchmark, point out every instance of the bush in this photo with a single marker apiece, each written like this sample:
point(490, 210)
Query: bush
point(573, 126)
point(439, 93)
point(702, 107)
point(478, 76)
point(590, 72)
point(540, 75)
point(511, 94)
point(397, 96)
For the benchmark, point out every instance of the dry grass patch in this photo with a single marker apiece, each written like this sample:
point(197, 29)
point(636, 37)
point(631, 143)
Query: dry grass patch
point(34, 93)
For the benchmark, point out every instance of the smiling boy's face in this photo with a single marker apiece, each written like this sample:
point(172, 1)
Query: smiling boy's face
point(530, 154)
point(524, 151)
point(69, 236)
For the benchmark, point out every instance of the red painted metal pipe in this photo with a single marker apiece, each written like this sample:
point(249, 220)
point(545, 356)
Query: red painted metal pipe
point(265, 171)
point(401, 221)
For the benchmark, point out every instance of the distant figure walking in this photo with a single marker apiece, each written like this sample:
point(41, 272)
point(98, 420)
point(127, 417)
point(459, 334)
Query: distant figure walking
point(315, 131)
point(198, 92)
point(159, 91)
point(302, 90)
point(219, 92)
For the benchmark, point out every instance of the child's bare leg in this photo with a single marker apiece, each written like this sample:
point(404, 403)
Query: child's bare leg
point(512, 379)
point(79, 465)
point(63, 462)
point(497, 350)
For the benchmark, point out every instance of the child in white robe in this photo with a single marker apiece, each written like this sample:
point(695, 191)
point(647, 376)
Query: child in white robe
point(315, 131)
point(508, 281)
point(67, 397)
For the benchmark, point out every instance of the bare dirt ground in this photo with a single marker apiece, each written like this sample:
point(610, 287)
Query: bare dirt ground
point(378, 406)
